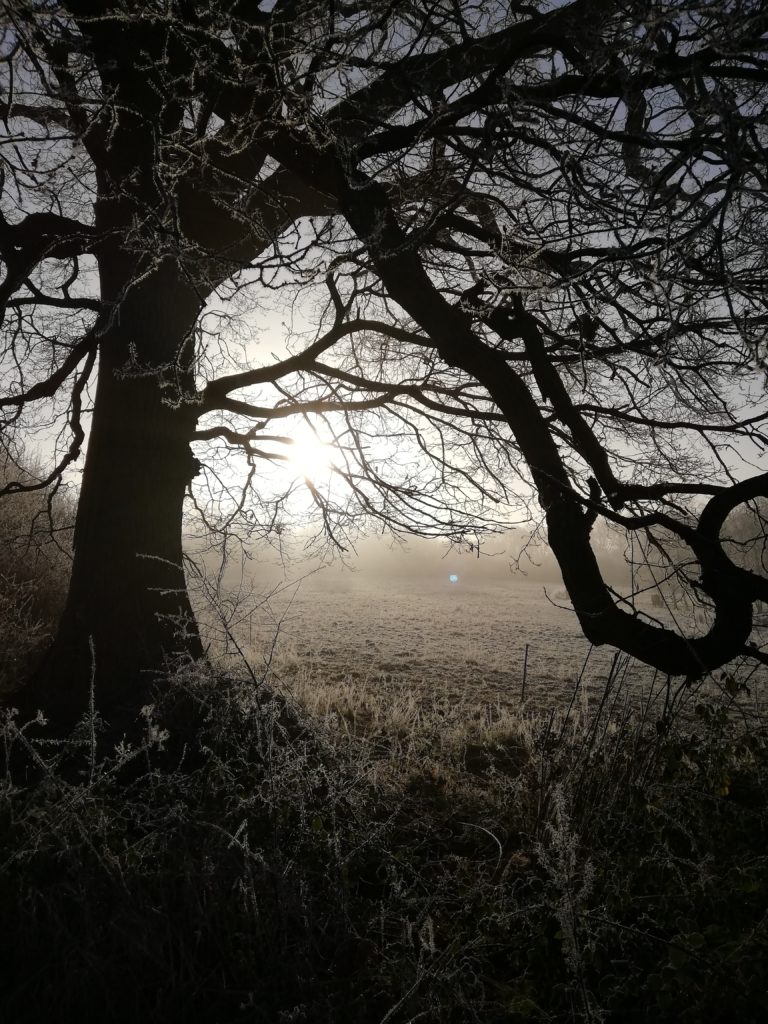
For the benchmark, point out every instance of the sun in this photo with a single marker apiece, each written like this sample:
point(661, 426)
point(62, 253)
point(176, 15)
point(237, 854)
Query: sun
point(309, 456)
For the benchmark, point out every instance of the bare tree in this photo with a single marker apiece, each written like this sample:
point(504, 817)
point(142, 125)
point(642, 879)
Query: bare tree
point(540, 238)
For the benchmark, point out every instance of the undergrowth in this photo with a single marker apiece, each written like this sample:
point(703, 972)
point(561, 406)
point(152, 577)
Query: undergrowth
point(265, 858)
point(35, 542)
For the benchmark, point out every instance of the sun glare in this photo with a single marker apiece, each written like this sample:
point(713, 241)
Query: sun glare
point(309, 456)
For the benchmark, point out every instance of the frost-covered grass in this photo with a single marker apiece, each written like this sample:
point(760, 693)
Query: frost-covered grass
point(342, 853)
point(470, 644)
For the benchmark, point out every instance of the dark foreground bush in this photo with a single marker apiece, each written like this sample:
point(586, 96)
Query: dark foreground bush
point(271, 868)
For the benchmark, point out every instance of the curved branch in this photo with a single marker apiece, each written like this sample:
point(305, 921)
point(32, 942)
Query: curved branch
point(78, 434)
point(48, 388)
point(39, 236)
point(278, 412)
point(42, 115)
point(366, 207)
point(215, 394)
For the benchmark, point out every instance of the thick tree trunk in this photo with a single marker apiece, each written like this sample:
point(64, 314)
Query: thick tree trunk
point(128, 612)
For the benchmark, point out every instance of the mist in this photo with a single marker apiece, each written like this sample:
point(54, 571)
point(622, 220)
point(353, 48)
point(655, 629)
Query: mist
point(512, 559)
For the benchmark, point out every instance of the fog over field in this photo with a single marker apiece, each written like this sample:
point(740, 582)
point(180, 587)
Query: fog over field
point(429, 618)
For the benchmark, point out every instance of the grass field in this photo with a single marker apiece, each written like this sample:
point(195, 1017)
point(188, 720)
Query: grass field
point(321, 827)
point(473, 645)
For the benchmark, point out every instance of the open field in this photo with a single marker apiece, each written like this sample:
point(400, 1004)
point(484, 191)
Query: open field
point(458, 642)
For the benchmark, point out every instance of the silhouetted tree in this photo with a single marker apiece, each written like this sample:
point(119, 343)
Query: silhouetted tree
point(540, 232)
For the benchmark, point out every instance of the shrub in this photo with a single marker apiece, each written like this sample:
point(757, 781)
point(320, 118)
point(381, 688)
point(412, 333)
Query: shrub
point(35, 542)
point(249, 861)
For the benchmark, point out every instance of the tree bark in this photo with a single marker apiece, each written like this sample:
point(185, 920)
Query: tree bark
point(128, 613)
